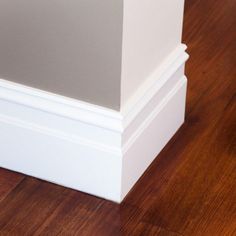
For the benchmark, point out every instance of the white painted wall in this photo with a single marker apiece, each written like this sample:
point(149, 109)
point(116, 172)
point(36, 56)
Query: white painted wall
point(98, 51)
point(68, 47)
point(152, 29)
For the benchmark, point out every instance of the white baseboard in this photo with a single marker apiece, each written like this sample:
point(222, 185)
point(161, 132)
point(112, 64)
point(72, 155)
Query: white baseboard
point(87, 147)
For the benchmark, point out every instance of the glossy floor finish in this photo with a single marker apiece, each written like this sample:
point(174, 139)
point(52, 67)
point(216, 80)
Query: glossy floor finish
point(190, 189)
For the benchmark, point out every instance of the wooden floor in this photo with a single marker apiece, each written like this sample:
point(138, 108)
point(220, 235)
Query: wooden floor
point(190, 189)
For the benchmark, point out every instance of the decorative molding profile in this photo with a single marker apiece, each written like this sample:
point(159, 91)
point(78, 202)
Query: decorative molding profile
point(87, 147)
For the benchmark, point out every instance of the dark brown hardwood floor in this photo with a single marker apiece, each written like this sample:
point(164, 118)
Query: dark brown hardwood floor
point(190, 189)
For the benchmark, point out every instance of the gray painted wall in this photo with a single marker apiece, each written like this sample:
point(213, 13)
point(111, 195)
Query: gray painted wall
point(69, 47)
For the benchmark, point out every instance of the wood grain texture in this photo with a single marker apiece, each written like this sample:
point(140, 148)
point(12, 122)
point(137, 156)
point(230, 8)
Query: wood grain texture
point(8, 181)
point(190, 189)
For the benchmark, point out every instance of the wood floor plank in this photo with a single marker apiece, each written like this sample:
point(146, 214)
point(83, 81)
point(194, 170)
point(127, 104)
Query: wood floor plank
point(28, 206)
point(144, 229)
point(71, 215)
point(8, 181)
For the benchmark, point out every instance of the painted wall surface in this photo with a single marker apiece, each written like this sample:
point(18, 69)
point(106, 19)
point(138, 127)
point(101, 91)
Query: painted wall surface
point(152, 30)
point(69, 47)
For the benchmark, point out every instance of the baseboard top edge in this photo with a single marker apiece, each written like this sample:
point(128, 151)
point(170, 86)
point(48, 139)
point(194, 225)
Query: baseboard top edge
point(64, 106)
point(135, 105)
